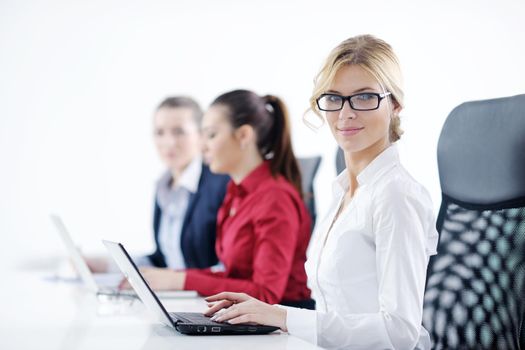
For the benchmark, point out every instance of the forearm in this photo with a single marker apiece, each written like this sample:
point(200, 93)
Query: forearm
point(207, 283)
point(362, 331)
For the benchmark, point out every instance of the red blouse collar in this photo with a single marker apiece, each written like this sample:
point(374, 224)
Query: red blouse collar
point(252, 180)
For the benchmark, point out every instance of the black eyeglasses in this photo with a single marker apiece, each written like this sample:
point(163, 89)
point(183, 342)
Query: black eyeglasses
point(365, 101)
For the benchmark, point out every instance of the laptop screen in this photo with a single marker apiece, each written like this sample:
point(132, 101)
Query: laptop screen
point(135, 279)
point(76, 258)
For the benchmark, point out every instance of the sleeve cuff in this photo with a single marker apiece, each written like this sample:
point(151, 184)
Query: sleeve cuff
point(190, 282)
point(196, 278)
point(301, 323)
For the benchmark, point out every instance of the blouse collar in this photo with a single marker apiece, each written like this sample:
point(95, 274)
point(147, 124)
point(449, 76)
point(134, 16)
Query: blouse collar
point(386, 160)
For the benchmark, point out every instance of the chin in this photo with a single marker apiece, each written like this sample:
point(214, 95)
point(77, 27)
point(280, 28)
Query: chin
point(352, 147)
point(215, 168)
point(172, 164)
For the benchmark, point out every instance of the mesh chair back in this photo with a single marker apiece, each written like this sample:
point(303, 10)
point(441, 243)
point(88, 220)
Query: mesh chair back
point(475, 293)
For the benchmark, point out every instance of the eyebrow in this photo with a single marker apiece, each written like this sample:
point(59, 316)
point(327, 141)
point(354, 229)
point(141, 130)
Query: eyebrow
point(356, 91)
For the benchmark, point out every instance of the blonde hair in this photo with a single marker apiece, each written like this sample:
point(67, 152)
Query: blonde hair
point(373, 55)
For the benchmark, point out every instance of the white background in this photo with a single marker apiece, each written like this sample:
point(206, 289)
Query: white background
point(79, 81)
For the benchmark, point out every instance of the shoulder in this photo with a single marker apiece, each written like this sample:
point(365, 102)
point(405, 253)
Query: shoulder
point(397, 188)
point(277, 195)
point(277, 187)
point(401, 206)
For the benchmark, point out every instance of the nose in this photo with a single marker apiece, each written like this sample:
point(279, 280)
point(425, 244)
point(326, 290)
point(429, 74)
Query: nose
point(347, 112)
point(165, 142)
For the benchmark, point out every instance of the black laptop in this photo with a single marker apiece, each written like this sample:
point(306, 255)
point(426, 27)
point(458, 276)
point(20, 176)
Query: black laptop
point(184, 322)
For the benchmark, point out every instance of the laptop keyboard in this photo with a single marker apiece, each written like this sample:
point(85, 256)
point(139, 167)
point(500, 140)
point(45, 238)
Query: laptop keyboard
point(193, 317)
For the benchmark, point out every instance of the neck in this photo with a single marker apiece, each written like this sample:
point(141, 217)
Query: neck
point(245, 167)
point(357, 161)
point(176, 173)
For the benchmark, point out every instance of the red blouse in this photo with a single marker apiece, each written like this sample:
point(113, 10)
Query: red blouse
point(263, 230)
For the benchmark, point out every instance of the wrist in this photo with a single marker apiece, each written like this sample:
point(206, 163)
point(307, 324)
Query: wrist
point(282, 313)
point(179, 280)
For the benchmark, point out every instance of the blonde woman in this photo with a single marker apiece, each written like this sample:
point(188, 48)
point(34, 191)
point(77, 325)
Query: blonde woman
point(367, 263)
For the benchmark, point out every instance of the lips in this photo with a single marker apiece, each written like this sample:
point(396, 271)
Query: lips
point(349, 131)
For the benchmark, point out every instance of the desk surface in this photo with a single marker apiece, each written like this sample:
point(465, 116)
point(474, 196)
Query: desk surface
point(39, 314)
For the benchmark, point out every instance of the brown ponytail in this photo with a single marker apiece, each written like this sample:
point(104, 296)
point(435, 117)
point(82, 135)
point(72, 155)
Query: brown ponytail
point(269, 118)
point(283, 161)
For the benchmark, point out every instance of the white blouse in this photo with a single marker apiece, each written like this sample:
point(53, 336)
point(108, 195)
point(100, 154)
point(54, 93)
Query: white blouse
point(174, 201)
point(368, 273)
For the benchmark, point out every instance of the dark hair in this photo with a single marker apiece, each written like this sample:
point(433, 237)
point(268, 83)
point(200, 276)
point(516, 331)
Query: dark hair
point(268, 116)
point(183, 102)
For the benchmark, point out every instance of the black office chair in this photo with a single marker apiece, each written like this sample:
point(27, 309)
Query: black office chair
point(475, 293)
point(309, 167)
point(339, 161)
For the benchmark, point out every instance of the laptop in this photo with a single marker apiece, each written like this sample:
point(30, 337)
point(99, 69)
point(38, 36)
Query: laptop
point(103, 284)
point(183, 322)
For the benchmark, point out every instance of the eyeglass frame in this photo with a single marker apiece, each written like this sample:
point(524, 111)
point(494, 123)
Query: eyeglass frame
point(380, 97)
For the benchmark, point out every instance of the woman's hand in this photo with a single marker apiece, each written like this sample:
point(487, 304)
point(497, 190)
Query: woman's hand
point(242, 308)
point(160, 279)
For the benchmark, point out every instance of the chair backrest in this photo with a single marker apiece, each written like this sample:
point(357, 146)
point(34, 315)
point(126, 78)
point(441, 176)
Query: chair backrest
point(475, 292)
point(309, 167)
point(339, 161)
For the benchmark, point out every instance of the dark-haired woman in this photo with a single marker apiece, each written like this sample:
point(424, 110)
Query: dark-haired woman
point(263, 226)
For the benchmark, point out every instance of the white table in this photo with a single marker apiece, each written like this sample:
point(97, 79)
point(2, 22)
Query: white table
point(39, 314)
